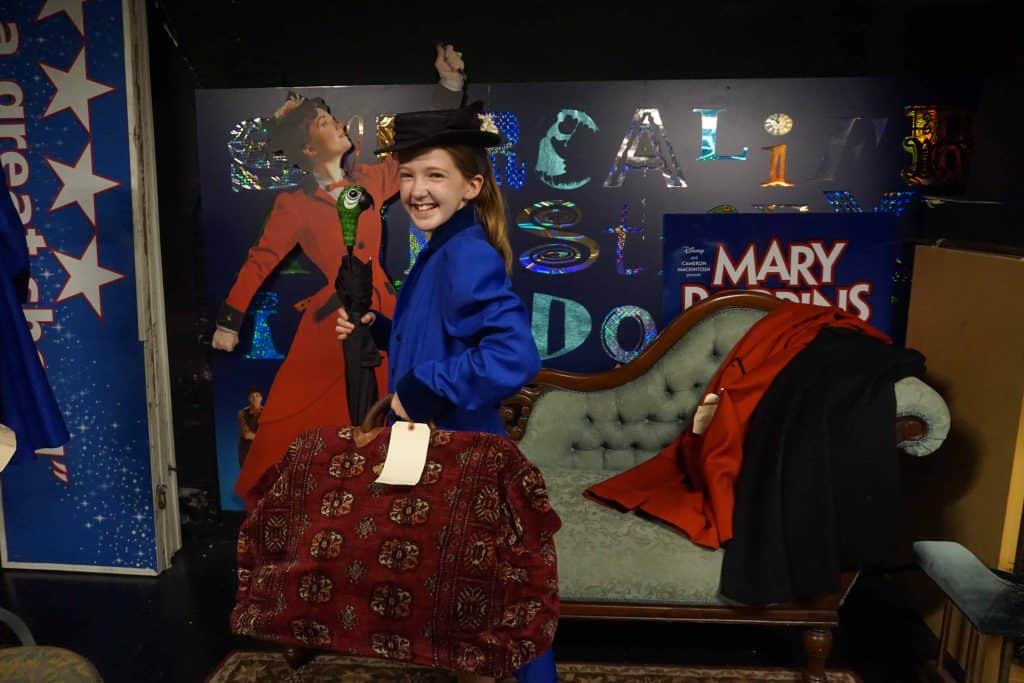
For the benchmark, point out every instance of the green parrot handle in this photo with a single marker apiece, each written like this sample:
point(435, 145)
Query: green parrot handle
point(351, 203)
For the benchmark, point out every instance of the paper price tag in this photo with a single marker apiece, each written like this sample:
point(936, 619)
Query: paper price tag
point(407, 454)
point(8, 444)
point(705, 411)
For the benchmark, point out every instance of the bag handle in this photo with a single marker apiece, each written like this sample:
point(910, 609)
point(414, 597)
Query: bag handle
point(375, 421)
point(376, 417)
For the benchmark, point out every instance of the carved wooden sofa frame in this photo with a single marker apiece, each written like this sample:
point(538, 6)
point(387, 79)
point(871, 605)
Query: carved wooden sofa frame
point(923, 431)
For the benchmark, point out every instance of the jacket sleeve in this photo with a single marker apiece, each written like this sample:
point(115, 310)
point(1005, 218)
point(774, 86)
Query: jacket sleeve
point(280, 235)
point(447, 96)
point(380, 330)
point(483, 312)
point(14, 261)
point(379, 179)
point(243, 426)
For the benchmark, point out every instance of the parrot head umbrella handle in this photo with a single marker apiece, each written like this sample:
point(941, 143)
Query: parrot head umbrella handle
point(351, 203)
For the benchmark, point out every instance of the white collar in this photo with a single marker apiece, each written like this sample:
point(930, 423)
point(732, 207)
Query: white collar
point(323, 181)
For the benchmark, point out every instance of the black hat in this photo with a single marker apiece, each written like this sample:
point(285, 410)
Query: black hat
point(463, 126)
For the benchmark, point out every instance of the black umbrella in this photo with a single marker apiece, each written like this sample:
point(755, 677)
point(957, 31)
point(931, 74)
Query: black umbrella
point(354, 289)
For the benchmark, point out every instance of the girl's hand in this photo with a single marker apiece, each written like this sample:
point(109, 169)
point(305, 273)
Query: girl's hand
point(398, 409)
point(345, 326)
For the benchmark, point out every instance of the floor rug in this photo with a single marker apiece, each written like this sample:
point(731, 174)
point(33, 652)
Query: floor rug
point(267, 667)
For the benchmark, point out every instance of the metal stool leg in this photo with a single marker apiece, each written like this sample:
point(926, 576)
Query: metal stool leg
point(17, 626)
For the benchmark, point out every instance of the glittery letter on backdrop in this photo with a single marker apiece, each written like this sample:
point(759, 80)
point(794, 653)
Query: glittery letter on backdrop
point(510, 173)
point(842, 201)
point(895, 202)
point(551, 166)
point(264, 305)
point(253, 166)
point(879, 124)
point(572, 253)
point(777, 167)
point(834, 151)
point(555, 319)
point(610, 332)
point(938, 144)
point(355, 128)
point(621, 231)
point(385, 132)
point(417, 240)
point(646, 147)
point(723, 208)
point(772, 208)
point(709, 138)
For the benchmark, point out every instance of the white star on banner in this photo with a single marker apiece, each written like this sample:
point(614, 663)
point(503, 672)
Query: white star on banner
point(86, 276)
point(79, 185)
point(72, 8)
point(74, 89)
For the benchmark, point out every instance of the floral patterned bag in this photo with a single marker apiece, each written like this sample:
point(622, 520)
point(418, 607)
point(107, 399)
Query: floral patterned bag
point(457, 572)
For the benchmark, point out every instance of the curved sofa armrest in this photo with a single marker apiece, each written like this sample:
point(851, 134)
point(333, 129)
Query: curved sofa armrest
point(919, 402)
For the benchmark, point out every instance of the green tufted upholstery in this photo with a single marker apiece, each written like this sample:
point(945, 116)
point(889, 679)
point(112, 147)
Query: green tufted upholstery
point(615, 429)
point(606, 556)
point(581, 438)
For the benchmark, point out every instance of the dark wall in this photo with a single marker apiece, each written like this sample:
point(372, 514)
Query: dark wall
point(226, 44)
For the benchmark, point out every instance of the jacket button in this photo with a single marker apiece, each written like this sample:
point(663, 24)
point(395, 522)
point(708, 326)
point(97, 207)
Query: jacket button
point(398, 337)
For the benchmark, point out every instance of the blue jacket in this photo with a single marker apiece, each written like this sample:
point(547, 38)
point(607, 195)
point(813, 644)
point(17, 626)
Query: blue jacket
point(461, 341)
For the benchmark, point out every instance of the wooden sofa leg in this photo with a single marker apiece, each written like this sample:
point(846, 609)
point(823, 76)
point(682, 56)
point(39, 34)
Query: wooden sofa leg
point(817, 647)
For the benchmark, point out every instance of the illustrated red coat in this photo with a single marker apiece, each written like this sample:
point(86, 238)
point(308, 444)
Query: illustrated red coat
point(309, 388)
point(690, 484)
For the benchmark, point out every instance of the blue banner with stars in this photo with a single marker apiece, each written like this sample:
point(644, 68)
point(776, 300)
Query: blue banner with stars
point(64, 144)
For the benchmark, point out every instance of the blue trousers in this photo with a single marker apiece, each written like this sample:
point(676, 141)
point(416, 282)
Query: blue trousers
point(540, 670)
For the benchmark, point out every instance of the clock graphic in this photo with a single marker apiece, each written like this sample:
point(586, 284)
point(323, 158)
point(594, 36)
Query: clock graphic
point(778, 124)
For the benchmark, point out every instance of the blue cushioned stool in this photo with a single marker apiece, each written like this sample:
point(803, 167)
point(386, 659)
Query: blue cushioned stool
point(993, 605)
point(31, 663)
